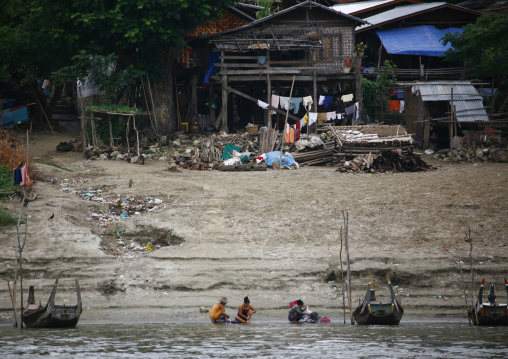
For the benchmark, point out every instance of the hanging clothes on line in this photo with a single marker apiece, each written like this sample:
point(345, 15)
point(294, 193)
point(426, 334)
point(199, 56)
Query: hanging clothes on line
point(307, 102)
point(275, 102)
point(284, 102)
point(328, 101)
point(313, 116)
point(347, 98)
point(294, 104)
point(321, 100)
point(331, 116)
point(263, 105)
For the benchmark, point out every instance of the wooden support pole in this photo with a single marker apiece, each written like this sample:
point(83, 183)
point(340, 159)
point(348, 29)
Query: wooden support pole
point(211, 102)
point(268, 115)
point(137, 133)
point(342, 278)
point(314, 88)
point(110, 132)
point(450, 126)
point(346, 230)
point(94, 134)
point(224, 109)
point(283, 137)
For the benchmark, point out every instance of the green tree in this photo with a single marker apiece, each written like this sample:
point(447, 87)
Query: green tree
point(375, 92)
point(482, 45)
point(134, 36)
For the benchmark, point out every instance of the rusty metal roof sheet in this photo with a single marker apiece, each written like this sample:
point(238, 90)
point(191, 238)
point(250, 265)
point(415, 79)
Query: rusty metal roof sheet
point(466, 99)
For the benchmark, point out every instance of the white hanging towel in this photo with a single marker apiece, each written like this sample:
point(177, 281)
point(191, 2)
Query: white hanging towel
point(312, 117)
point(307, 102)
point(321, 100)
point(330, 116)
point(263, 105)
point(284, 102)
point(347, 98)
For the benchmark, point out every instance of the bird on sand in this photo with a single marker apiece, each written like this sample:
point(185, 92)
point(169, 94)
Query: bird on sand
point(52, 216)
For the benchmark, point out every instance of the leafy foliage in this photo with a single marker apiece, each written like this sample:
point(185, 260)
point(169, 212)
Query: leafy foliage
point(116, 41)
point(482, 45)
point(6, 182)
point(268, 10)
point(375, 92)
point(7, 219)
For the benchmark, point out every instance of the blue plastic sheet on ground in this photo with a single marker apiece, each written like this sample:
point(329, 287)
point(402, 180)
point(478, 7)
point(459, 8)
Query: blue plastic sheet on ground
point(274, 156)
point(422, 40)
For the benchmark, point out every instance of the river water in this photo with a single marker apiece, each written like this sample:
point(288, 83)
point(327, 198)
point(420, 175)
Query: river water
point(258, 340)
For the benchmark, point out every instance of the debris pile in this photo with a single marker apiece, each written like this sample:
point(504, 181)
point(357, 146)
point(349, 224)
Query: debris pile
point(472, 155)
point(388, 161)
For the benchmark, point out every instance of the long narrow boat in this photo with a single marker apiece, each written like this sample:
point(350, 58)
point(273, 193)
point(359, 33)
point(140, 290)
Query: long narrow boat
point(490, 313)
point(52, 315)
point(373, 312)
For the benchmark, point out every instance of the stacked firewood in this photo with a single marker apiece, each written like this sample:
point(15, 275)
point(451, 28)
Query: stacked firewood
point(388, 161)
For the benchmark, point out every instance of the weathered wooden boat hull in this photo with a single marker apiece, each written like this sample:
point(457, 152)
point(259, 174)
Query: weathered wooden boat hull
point(371, 312)
point(381, 314)
point(53, 315)
point(491, 316)
point(57, 317)
point(490, 313)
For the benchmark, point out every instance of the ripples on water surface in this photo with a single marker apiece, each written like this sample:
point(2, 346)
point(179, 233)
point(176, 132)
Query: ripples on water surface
point(271, 340)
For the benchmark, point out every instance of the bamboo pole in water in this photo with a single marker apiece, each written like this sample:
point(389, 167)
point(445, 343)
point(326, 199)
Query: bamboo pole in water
point(13, 303)
point(464, 289)
point(342, 278)
point(346, 230)
point(468, 239)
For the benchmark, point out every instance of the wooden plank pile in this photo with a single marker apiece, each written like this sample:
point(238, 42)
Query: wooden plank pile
point(387, 161)
point(350, 141)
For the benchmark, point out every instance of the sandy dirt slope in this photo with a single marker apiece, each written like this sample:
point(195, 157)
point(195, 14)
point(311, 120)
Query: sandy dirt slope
point(274, 236)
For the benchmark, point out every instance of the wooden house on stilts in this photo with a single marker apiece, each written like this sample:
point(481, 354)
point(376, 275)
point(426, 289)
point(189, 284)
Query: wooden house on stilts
point(308, 42)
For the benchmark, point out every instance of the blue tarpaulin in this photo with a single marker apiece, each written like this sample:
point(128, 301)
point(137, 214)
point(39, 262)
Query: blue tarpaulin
point(422, 40)
point(13, 116)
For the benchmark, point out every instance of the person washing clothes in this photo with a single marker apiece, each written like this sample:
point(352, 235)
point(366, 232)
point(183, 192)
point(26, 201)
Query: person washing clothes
point(296, 312)
point(245, 311)
point(218, 312)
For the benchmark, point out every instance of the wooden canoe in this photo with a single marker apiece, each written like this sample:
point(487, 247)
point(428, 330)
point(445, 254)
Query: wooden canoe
point(52, 315)
point(490, 313)
point(372, 312)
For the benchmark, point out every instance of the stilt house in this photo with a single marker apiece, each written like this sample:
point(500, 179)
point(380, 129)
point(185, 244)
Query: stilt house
point(307, 42)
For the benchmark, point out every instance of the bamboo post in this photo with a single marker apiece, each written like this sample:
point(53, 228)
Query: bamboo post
point(94, 134)
point(342, 278)
point(464, 289)
point(148, 109)
point(110, 132)
point(224, 107)
point(346, 230)
point(44, 112)
point(450, 125)
point(13, 303)
point(282, 140)
point(19, 251)
point(153, 106)
point(127, 135)
point(137, 133)
point(468, 239)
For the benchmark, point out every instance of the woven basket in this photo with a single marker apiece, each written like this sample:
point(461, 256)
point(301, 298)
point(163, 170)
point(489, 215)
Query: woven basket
point(252, 129)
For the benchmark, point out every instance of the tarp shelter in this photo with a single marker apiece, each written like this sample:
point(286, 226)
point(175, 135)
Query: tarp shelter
point(422, 40)
point(13, 116)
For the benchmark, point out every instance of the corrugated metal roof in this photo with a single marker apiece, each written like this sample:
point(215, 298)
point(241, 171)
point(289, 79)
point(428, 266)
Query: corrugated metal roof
point(398, 12)
point(358, 6)
point(466, 99)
